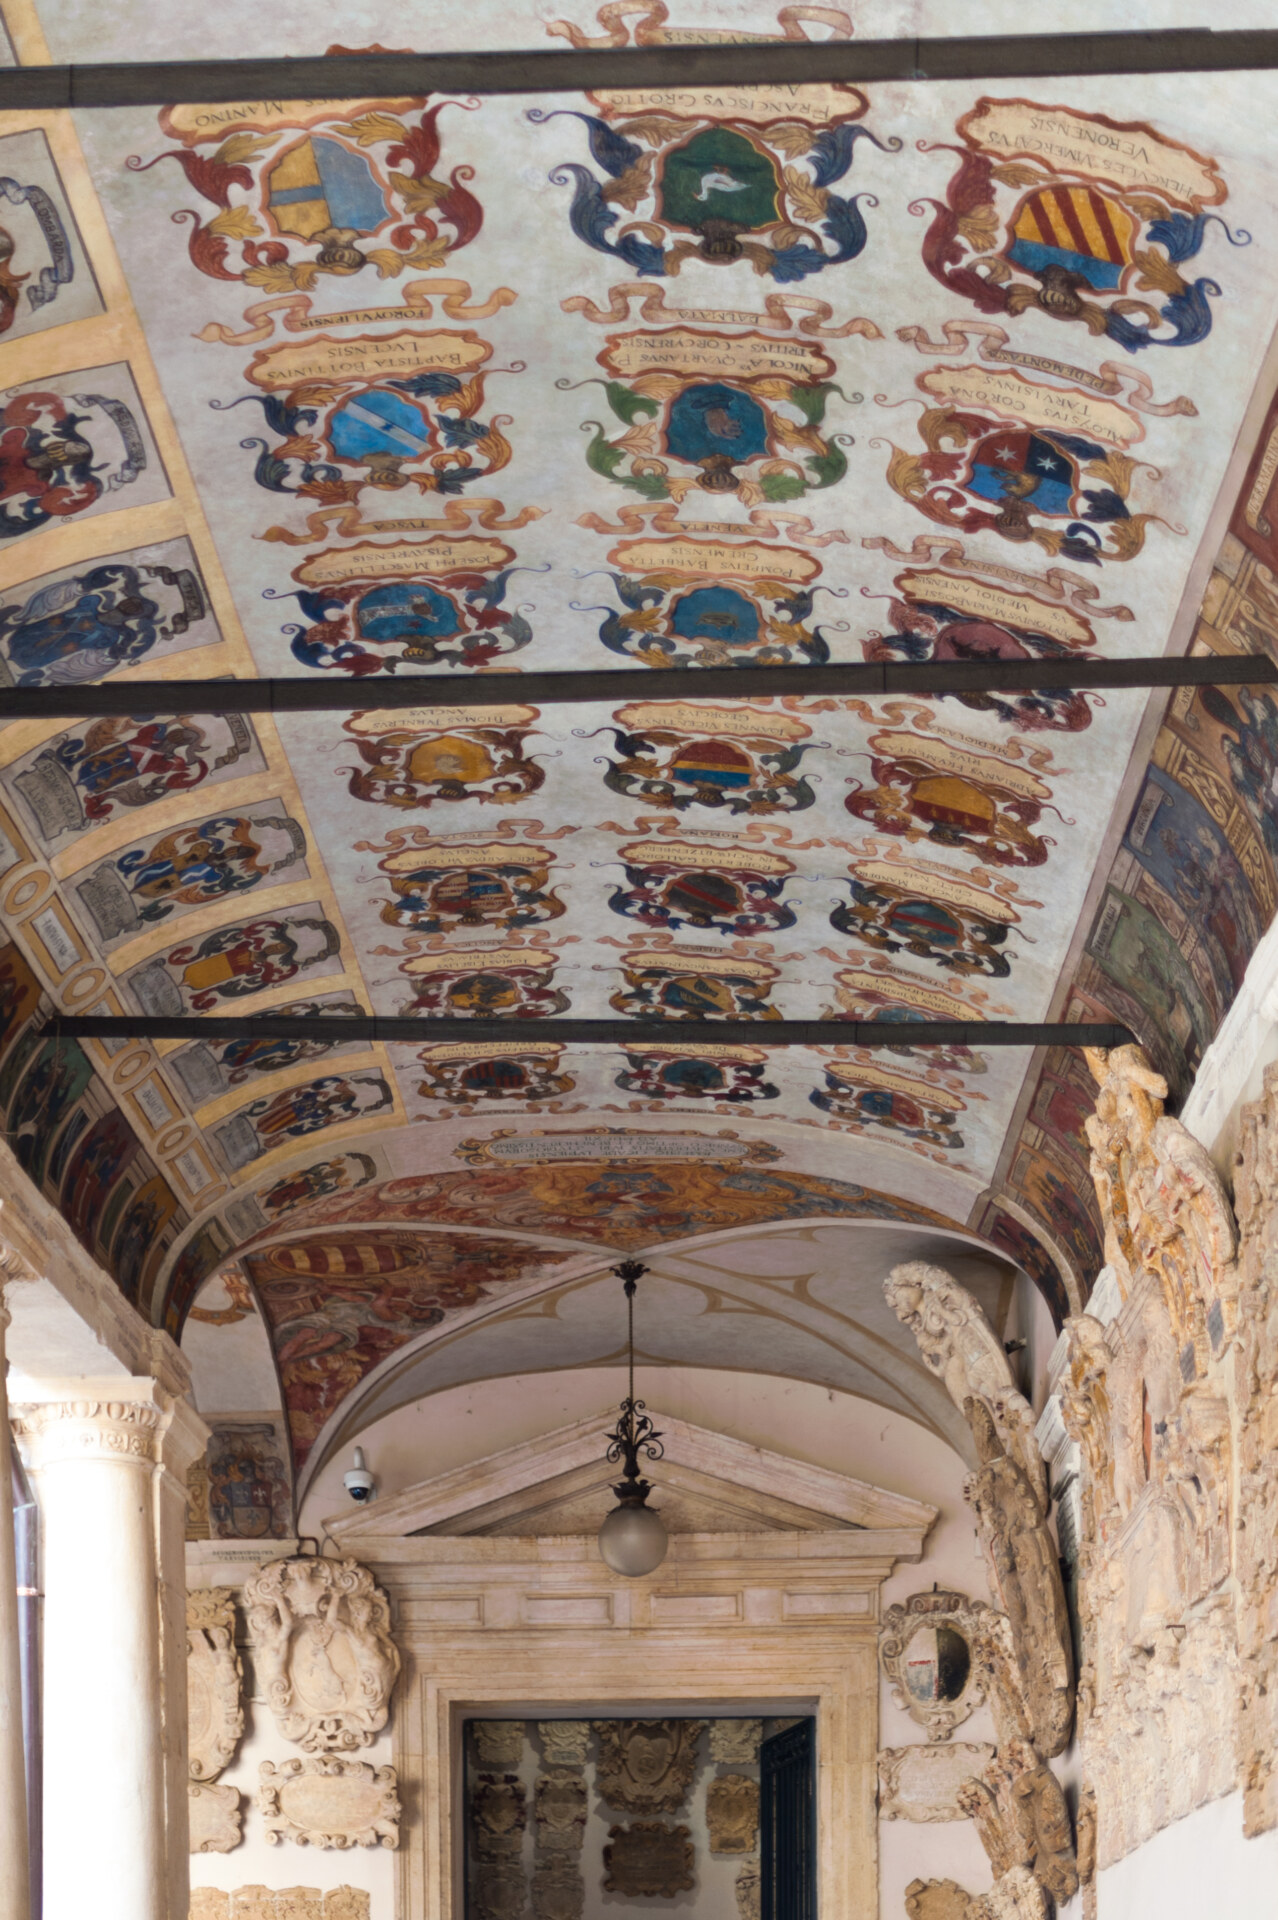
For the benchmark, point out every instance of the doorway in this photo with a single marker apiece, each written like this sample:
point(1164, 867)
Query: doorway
point(592, 1818)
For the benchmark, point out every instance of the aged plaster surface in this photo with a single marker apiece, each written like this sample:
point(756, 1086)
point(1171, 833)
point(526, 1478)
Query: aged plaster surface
point(324, 1651)
point(327, 1802)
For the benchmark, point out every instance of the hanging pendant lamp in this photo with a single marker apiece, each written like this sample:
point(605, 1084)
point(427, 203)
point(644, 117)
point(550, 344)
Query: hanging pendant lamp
point(633, 1538)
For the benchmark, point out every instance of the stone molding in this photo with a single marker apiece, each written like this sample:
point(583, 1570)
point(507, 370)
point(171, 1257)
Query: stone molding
point(330, 1803)
point(53, 1432)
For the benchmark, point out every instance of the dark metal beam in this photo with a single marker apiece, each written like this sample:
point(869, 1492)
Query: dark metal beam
point(295, 695)
point(428, 1029)
point(567, 70)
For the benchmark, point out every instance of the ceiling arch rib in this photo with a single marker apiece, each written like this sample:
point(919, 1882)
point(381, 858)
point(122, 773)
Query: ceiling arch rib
point(383, 386)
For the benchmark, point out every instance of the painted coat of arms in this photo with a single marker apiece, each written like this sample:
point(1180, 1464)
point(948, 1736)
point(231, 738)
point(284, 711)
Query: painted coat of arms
point(302, 190)
point(62, 454)
point(937, 615)
point(386, 412)
point(82, 780)
point(83, 626)
point(448, 886)
point(1029, 462)
point(863, 1096)
point(956, 792)
point(671, 884)
point(190, 866)
point(695, 985)
point(45, 277)
point(233, 962)
point(736, 413)
point(486, 983)
point(698, 1071)
point(719, 176)
point(1087, 219)
point(414, 758)
point(714, 603)
point(409, 605)
point(920, 908)
point(679, 756)
point(463, 1076)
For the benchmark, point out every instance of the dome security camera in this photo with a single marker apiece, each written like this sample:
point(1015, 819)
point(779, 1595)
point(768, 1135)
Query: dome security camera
point(359, 1482)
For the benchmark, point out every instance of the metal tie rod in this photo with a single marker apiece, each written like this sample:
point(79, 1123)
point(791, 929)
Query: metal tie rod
point(324, 695)
point(428, 1029)
point(569, 70)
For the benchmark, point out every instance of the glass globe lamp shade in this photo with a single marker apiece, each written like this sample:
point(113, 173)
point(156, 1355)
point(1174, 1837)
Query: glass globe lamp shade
point(633, 1539)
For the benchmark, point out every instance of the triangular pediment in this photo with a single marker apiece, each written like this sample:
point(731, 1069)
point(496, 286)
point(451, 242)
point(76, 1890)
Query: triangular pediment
point(706, 1482)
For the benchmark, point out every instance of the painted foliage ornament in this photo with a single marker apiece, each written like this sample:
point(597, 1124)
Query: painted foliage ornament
point(302, 193)
point(954, 795)
point(697, 1071)
point(917, 908)
point(862, 1096)
point(1087, 219)
point(408, 605)
point(486, 982)
point(694, 985)
point(321, 1629)
point(752, 184)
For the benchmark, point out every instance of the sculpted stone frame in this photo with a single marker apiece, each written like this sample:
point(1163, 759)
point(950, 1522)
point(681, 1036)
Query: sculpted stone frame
point(321, 1629)
point(935, 1612)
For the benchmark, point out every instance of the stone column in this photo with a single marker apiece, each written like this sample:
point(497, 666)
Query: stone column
point(15, 1899)
point(97, 1450)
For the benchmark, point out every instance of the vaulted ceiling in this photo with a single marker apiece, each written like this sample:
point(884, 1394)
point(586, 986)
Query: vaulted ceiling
point(370, 388)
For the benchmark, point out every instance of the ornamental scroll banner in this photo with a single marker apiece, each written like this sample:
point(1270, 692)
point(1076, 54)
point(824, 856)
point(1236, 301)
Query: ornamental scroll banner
point(321, 1630)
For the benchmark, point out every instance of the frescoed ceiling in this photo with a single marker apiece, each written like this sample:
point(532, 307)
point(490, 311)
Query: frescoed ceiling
point(363, 389)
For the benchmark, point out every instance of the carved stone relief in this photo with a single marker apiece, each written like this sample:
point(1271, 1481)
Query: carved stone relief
point(328, 1802)
point(500, 1743)
point(321, 1630)
point(922, 1783)
point(927, 1651)
point(1021, 1817)
point(1017, 1896)
point(501, 1892)
point(214, 1816)
point(649, 1858)
point(558, 1893)
point(559, 1810)
point(732, 1813)
point(646, 1766)
point(215, 1717)
point(749, 1891)
point(499, 1815)
point(1007, 1493)
point(736, 1743)
point(294, 1903)
point(564, 1743)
